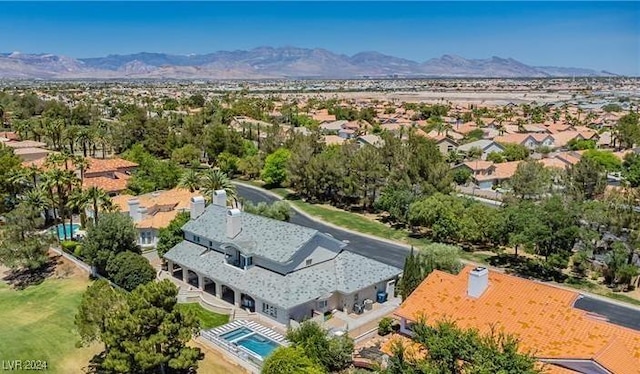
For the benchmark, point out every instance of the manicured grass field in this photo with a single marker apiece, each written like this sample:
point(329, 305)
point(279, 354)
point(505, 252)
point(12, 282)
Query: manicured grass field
point(207, 319)
point(37, 324)
point(352, 221)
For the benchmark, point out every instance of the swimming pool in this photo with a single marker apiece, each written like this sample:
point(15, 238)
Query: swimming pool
point(236, 334)
point(258, 344)
point(71, 229)
point(250, 339)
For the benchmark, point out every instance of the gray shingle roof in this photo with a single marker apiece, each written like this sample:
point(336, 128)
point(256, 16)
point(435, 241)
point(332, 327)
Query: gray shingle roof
point(261, 236)
point(347, 272)
point(482, 144)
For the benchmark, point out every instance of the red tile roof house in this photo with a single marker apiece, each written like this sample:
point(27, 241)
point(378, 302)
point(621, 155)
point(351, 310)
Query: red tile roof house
point(562, 338)
point(486, 174)
point(561, 139)
point(110, 175)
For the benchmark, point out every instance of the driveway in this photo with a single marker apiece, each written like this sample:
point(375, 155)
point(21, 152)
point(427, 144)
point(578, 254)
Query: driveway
point(394, 254)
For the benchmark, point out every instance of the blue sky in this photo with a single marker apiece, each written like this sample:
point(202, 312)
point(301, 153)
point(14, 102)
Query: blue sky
point(599, 35)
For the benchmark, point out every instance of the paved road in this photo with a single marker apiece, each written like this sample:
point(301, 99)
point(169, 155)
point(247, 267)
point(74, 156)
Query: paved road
point(393, 254)
point(382, 251)
point(617, 314)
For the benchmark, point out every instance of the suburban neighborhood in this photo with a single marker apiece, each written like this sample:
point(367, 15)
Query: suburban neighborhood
point(320, 188)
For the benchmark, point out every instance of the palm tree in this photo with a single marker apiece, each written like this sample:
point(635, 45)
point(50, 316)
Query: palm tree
point(85, 139)
point(215, 179)
point(37, 198)
point(70, 134)
point(77, 201)
point(81, 163)
point(191, 179)
point(48, 185)
point(63, 181)
point(99, 199)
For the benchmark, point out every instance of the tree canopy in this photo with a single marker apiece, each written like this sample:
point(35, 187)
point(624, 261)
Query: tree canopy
point(452, 350)
point(129, 270)
point(142, 331)
point(172, 235)
point(113, 234)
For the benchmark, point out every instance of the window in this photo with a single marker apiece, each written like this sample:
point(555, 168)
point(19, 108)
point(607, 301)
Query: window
point(245, 261)
point(210, 244)
point(196, 239)
point(322, 304)
point(308, 262)
point(269, 310)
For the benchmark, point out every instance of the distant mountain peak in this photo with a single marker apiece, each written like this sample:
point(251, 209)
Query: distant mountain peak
point(271, 62)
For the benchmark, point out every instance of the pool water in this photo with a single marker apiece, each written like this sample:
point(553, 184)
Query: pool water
point(236, 334)
point(71, 229)
point(258, 344)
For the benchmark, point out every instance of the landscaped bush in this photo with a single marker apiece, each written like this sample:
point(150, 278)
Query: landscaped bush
point(385, 326)
point(129, 270)
point(558, 261)
point(78, 251)
point(68, 246)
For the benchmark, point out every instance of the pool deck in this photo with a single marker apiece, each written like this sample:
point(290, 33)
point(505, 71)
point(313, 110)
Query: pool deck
point(239, 353)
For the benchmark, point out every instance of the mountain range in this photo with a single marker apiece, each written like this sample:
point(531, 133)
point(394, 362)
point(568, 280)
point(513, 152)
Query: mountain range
point(268, 62)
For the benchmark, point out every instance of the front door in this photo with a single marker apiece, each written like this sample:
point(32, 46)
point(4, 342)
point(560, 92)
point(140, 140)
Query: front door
point(391, 289)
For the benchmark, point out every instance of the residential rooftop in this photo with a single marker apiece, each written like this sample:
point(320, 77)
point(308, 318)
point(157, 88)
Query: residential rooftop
point(540, 315)
point(265, 237)
point(346, 273)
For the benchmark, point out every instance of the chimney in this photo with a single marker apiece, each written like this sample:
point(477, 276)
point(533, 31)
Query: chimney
point(478, 282)
point(234, 223)
point(197, 206)
point(134, 210)
point(220, 198)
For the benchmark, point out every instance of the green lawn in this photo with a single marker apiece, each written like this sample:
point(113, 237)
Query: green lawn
point(349, 220)
point(37, 324)
point(207, 319)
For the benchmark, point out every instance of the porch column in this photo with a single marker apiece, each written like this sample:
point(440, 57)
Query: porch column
point(200, 282)
point(185, 274)
point(219, 290)
point(170, 267)
point(237, 298)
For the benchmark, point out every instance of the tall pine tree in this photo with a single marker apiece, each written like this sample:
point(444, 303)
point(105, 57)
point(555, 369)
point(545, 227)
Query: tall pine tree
point(411, 276)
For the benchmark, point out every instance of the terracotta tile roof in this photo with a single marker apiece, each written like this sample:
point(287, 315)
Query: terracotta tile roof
point(561, 139)
point(520, 138)
point(162, 206)
point(478, 165)
point(110, 185)
point(25, 144)
point(177, 198)
point(504, 170)
point(569, 157)
point(433, 134)
point(158, 220)
point(9, 135)
point(97, 165)
point(333, 139)
point(542, 316)
point(554, 163)
point(465, 128)
point(28, 151)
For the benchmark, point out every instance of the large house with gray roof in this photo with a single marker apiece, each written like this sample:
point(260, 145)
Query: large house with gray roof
point(279, 269)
